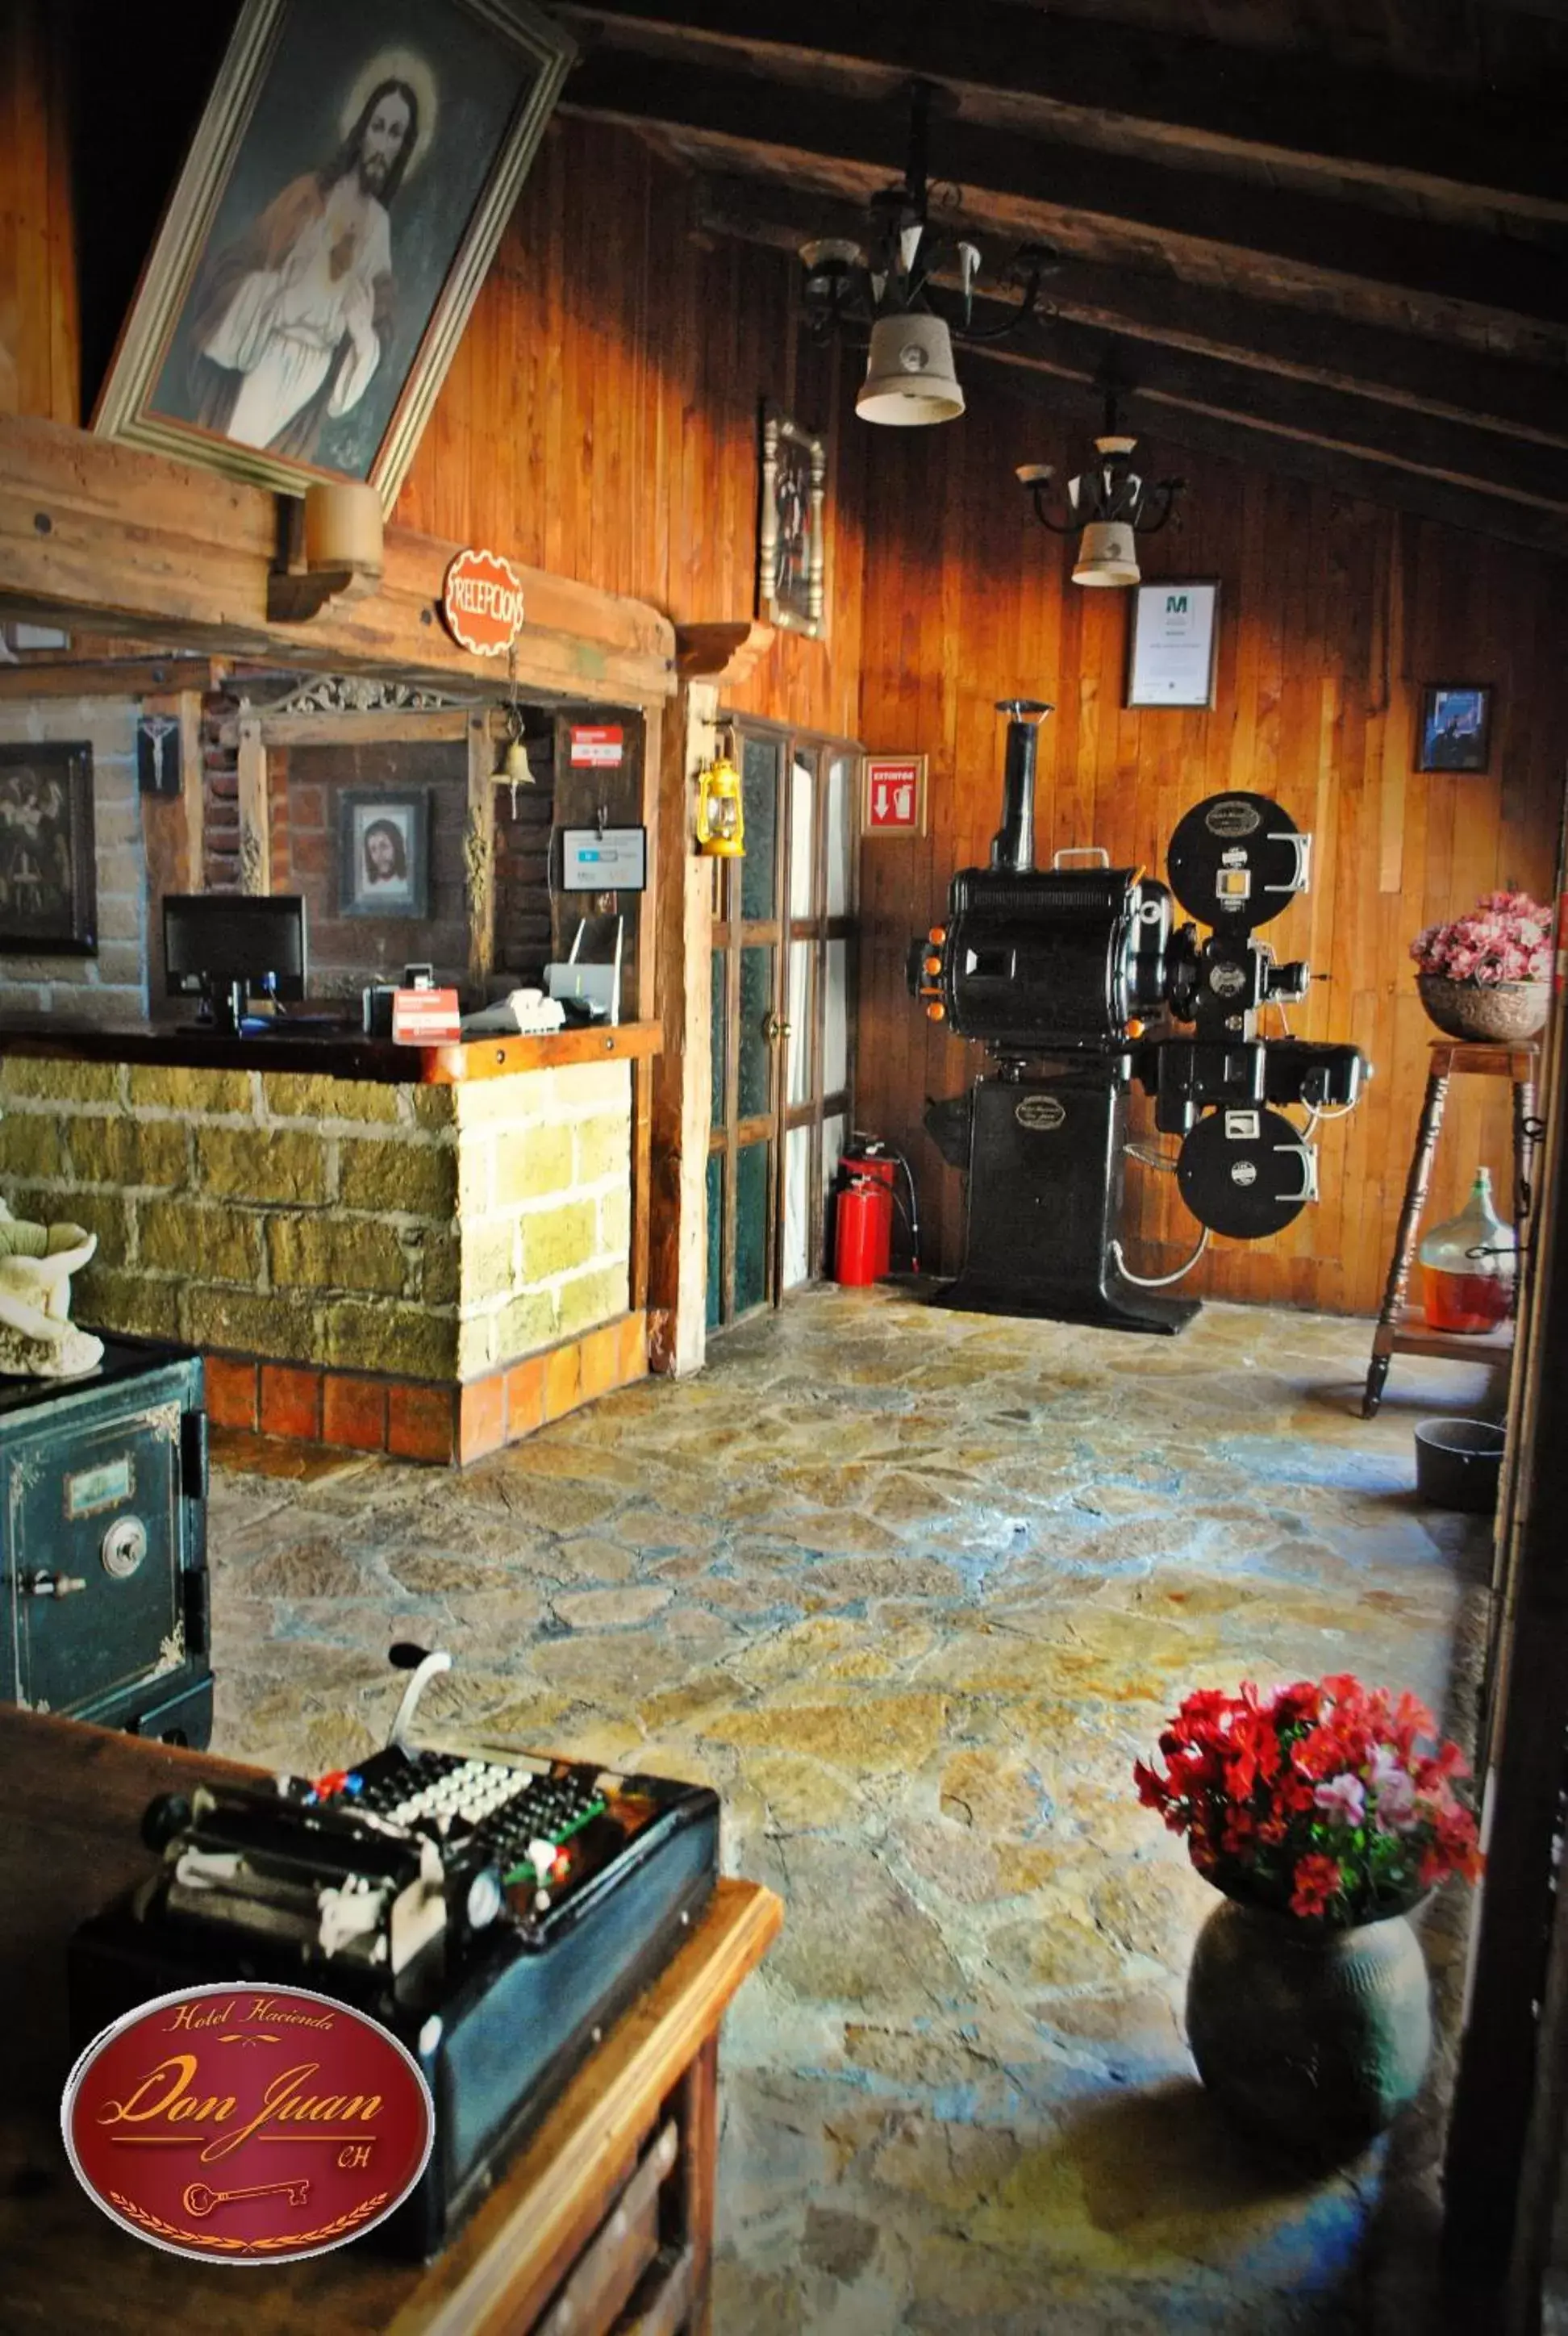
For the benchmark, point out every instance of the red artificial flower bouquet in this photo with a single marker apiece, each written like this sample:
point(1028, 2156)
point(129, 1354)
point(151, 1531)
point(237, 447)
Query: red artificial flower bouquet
point(1326, 1800)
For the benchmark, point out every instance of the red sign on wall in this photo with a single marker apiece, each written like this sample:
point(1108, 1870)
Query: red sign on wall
point(894, 801)
point(596, 746)
point(482, 601)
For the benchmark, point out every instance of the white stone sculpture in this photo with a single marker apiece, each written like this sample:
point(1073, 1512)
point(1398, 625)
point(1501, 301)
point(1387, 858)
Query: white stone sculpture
point(38, 1338)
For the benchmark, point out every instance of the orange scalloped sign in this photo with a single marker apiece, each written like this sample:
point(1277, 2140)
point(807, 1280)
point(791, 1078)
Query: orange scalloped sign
point(482, 601)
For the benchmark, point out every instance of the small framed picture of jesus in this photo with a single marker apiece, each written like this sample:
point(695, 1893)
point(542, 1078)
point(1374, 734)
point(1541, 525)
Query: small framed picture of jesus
point(384, 853)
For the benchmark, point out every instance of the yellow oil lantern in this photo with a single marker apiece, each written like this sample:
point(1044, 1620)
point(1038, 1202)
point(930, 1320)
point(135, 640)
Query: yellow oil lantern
point(720, 821)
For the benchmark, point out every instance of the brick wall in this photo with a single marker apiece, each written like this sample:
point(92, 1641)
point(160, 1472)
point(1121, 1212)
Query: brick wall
point(111, 986)
point(433, 1233)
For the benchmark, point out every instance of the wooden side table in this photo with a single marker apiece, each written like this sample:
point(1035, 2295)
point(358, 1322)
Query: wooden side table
point(601, 2225)
point(1402, 1329)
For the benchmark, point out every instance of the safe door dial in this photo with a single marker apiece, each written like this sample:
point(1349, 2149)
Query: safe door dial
point(124, 1546)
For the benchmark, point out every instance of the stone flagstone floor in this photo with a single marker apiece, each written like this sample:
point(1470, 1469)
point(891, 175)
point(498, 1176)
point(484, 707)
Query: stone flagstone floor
point(912, 1589)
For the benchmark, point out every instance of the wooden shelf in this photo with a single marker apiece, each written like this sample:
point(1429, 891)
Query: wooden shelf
point(1414, 1335)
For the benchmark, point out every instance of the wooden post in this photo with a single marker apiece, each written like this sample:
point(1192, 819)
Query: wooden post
point(172, 829)
point(255, 818)
point(709, 658)
point(479, 850)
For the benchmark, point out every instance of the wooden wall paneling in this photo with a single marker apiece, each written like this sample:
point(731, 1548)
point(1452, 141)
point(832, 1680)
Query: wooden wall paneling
point(1333, 614)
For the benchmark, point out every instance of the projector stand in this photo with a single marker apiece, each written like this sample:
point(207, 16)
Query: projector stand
point(1044, 1205)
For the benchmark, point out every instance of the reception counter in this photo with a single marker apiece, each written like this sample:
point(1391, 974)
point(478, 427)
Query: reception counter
point(421, 1249)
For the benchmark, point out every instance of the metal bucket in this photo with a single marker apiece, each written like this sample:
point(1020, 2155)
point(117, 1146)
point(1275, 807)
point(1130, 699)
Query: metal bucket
point(1458, 1462)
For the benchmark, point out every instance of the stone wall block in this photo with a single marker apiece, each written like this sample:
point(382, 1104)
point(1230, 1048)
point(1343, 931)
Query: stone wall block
point(60, 1083)
point(105, 1298)
point(559, 1240)
point(202, 1244)
point(398, 1178)
point(402, 1339)
point(261, 1164)
point(603, 1148)
point(104, 1213)
point(165, 1087)
point(324, 1252)
point(489, 1263)
point(247, 1322)
point(30, 1145)
point(487, 1103)
point(614, 1222)
point(531, 1164)
point(127, 1151)
point(591, 1298)
point(526, 1324)
point(438, 1267)
point(289, 1094)
point(475, 1176)
point(592, 1087)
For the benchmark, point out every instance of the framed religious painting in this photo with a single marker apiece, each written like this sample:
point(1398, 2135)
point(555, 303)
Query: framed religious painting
point(48, 887)
point(383, 852)
point(790, 540)
point(350, 181)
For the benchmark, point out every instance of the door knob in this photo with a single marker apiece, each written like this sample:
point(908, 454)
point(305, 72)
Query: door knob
point(773, 1030)
point(51, 1586)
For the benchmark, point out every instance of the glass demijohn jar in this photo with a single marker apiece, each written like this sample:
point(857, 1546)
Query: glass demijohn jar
point(1467, 1266)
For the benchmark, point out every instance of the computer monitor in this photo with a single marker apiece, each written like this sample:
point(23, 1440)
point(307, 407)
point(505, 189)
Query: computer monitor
point(224, 947)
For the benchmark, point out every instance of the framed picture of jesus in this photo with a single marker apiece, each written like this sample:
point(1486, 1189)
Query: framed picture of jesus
point(350, 178)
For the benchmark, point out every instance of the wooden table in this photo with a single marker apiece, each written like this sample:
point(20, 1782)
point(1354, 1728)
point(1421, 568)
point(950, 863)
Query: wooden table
point(70, 1801)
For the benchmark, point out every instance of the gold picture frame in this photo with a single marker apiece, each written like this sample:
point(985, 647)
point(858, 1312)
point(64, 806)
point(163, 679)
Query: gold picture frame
point(347, 185)
point(792, 551)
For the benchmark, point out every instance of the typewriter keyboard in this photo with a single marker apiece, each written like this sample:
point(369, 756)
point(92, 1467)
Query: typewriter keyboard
point(511, 1808)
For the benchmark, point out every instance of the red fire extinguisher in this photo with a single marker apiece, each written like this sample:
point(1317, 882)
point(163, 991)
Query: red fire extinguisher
point(864, 1201)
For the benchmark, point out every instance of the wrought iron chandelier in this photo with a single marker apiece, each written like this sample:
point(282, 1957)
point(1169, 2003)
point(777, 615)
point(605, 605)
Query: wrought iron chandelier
point(888, 284)
point(1108, 505)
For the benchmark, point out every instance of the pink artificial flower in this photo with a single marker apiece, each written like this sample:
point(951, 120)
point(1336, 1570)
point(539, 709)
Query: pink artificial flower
point(1395, 1808)
point(1344, 1798)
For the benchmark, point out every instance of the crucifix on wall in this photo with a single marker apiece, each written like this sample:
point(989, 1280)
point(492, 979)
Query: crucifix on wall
point(158, 769)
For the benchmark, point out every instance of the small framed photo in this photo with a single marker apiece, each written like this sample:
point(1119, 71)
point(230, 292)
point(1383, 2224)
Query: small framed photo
point(1456, 727)
point(48, 883)
point(1171, 644)
point(893, 794)
point(791, 547)
point(384, 853)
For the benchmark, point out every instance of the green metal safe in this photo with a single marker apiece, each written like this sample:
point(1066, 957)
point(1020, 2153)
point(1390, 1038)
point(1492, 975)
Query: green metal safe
point(104, 1508)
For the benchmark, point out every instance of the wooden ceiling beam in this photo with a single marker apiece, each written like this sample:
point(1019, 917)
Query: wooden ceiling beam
point(1496, 149)
point(1204, 216)
point(1171, 427)
point(1453, 382)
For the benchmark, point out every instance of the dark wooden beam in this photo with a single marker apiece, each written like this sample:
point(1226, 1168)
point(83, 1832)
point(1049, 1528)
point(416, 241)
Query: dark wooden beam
point(1456, 383)
point(1502, 149)
point(1447, 452)
point(1205, 217)
point(1168, 425)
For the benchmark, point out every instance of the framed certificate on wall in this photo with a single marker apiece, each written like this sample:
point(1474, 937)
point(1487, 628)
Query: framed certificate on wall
point(1171, 644)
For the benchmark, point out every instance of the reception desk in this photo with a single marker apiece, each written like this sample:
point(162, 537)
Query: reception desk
point(422, 1249)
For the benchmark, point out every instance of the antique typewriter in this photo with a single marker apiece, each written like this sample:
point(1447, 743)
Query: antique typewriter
point(495, 1914)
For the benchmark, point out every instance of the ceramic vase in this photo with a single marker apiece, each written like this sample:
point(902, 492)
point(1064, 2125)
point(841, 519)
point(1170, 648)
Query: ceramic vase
point(1485, 1012)
point(1310, 2037)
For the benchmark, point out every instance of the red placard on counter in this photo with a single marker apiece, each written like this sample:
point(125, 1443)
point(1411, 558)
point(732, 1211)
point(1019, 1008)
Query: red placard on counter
point(425, 1017)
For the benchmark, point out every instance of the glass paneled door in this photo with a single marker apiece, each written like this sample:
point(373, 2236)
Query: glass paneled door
point(783, 949)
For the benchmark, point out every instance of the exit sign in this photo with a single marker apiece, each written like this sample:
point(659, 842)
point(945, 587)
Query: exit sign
point(893, 799)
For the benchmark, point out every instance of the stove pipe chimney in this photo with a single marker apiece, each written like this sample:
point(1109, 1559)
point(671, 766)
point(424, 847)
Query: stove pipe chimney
point(1013, 845)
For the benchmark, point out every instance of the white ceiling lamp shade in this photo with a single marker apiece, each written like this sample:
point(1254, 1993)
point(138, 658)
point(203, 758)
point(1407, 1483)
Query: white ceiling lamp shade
point(1109, 507)
point(887, 284)
point(910, 378)
point(1108, 554)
